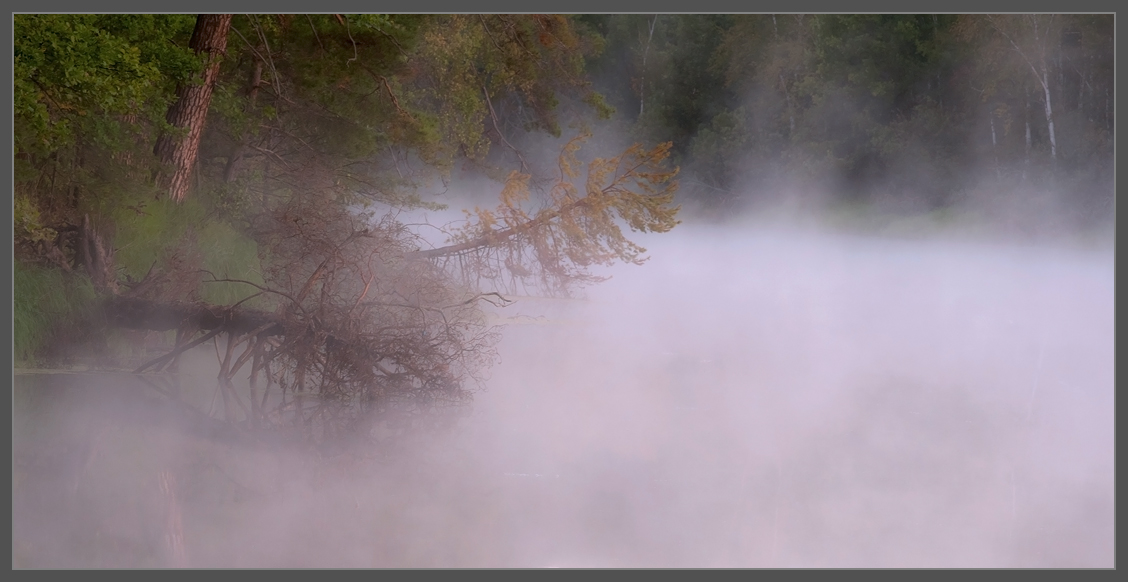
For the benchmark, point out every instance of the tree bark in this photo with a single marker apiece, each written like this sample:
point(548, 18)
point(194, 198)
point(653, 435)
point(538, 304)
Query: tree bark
point(191, 107)
point(98, 262)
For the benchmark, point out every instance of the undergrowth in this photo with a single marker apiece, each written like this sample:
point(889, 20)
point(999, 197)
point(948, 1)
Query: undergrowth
point(46, 303)
point(229, 254)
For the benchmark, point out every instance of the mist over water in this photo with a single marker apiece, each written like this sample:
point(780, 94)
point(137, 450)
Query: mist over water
point(803, 399)
point(751, 397)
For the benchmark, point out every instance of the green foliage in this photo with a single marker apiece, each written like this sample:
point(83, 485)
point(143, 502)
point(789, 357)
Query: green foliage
point(483, 74)
point(28, 222)
point(149, 232)
point(71, 71)
point(718, 149)
point(662, 69)
point(328, 105)
point(90, 93)
point(339, 102)
point(688, 91)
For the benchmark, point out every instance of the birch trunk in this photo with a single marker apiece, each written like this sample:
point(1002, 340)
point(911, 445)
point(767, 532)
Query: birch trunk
point(1049, 115)
point(994, 146)
point(1026, 121)
point(642, 76)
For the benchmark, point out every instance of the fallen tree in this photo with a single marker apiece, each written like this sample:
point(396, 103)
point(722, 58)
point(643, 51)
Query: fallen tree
point(357, 320)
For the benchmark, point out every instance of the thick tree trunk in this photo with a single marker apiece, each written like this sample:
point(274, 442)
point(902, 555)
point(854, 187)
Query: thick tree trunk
point(134, 313)
point(191, 107)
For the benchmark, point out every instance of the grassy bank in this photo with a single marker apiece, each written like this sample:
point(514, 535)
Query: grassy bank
point(46, 304)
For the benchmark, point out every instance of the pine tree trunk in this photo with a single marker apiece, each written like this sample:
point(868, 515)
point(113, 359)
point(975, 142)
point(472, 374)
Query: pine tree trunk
point(191, 107)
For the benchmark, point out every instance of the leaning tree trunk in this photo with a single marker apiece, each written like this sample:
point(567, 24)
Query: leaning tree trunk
point(191, 106)
point(96, 258)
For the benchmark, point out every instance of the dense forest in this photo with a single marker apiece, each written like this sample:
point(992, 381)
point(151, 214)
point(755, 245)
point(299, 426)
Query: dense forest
point(921, 111)
point(241, 178)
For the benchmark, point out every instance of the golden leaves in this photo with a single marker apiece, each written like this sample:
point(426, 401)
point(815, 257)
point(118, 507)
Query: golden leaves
point(516, 190)
point(552, 249)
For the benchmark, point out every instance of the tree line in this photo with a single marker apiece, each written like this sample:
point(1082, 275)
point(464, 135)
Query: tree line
point(912, 108)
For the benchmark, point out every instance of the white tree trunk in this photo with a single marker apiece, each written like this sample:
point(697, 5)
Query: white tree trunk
point(1026, 121)
point(787, 97)
point(994, 145)
point(1049, 115)
point(1108, 116)
point(642, 76)
point(1042, 76)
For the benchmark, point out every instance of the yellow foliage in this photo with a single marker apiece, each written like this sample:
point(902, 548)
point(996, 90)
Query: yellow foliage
point(516, 190)
point(552, 249)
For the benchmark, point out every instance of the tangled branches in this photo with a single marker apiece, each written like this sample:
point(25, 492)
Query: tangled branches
point(552, 249)
point(366, 328)
point(354, 323)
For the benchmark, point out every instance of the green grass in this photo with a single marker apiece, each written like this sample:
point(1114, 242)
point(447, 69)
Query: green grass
point(164, 227)
point(44, 301)
point(229, 254)
point(148, 232)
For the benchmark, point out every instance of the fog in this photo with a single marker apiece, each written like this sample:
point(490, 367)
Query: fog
point(754, 396)
point(801, 399)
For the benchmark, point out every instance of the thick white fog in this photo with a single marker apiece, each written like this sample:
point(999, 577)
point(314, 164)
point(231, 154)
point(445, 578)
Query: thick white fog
point(754, 397)
point(790, 399)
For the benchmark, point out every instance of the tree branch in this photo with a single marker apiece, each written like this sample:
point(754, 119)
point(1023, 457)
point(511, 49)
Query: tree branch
point(179, 350)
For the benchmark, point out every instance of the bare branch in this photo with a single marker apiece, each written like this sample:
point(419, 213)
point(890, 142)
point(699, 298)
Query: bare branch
point(493, 117)
point(179, 350)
